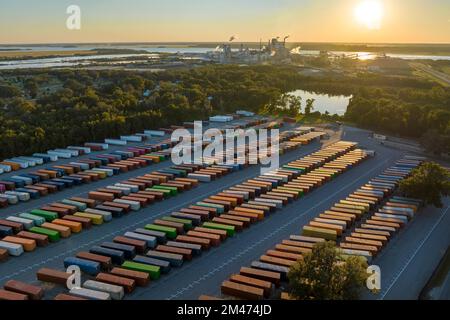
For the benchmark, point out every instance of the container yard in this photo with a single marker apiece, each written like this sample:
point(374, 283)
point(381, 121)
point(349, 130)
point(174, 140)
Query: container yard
point(140, 227)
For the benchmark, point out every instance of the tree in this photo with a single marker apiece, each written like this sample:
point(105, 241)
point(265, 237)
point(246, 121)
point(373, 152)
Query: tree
point(286, 105)
point(435, 142)
point(324, 274)
point(32, 87)
point(429, 183)
point(309, 106)
point(9, 91)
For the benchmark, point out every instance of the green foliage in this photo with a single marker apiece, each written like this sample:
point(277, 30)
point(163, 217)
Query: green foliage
point(287, 105)
point(72, 106)
point(9, 91)
point(429, 182)
point(435, 142)
point(407, 112)
point(86, 105)
point(309, 106)
point(324, 274)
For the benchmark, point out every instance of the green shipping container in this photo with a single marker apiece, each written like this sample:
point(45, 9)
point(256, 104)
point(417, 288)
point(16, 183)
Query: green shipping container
point(187, 223)
point(52, 234)
point(294, 169)
point(153, 271)
point(47, 215)
point(170, 232)
point(229, 229)
point(161, 157)
point(173, 190)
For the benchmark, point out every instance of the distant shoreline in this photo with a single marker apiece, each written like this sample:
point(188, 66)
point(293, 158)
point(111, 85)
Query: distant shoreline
point(419, 49)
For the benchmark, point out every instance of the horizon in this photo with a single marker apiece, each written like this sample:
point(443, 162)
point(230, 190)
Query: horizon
point(221, 41)
point(203, 21)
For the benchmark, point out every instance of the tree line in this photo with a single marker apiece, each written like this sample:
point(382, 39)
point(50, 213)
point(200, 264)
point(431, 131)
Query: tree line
point(43, 109)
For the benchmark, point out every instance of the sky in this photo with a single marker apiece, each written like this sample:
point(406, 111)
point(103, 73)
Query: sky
point(380, 21)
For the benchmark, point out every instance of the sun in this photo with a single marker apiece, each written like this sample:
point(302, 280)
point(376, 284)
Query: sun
point(369, 13)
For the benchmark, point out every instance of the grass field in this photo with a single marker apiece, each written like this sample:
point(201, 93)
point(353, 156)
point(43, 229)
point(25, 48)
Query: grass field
point(446, 70)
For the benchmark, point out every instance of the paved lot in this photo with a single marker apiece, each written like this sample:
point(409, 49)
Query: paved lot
point(409, 258)
point(25, 266)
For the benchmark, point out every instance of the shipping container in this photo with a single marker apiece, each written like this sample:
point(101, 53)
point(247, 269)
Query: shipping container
point(141, 278)
point(53, 276)
point(52, 235)
point(40, 239)
point(153, 271)
point(12, 248)
point(117, 256)
point(114, 291)
point(33, 292)
point(90, 294)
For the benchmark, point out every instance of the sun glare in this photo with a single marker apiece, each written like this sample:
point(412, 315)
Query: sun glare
point(369, 13)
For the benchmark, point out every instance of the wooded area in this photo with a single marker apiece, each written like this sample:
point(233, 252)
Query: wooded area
point(45, 109)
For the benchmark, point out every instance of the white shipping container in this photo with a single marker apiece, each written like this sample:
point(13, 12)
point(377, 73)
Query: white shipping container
point(65, 155)
point(90, 294)
point(131, 138)
point(134, 204)
point(156, 133)
point(12, 248)
point(21, 163)
point(35, 160)
point(74, 153)
point(5, 167)
point(221, 119)
point(28, 224)
point(31, 163)
point(116, 142)
point(23, 196)
point(52, 157)
point(11, 199)
point(85, 149)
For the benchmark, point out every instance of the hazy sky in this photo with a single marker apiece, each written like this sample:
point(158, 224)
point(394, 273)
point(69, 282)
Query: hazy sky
point(44, 21)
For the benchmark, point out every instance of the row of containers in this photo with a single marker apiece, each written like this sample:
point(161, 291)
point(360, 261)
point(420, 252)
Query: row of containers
point(362, 224)
point(60, 219)
point(22, 187)
point(23, 162)
point(32, 185)
point(115, 268)
point(50, 222)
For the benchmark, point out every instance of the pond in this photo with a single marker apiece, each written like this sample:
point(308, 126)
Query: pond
point(324, 102)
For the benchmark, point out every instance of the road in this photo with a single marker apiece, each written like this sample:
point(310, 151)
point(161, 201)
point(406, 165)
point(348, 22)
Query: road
point(434, 73)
